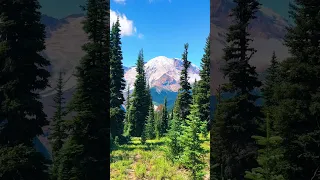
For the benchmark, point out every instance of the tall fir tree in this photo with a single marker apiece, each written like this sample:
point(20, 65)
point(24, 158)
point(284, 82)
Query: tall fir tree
point(127, 122)
point(173, 140)
point(270, 81)
point(58, 133)
point(270, 157)
point(268, 90)
point(164, 118)
point(297, 94)
point(117, 82)
point(150, 124)
point(203, 91)
point(192, 156)
point(216, 158)
point(237, 118)
point(184, 95)
point(194, 87)
point(176, 106)
point(157, 124)
point(22, 77)
point(140, 102)
point(171, 116)
point(85, 152)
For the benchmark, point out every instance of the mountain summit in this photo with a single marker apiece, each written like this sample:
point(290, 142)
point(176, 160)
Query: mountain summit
point(163, 73)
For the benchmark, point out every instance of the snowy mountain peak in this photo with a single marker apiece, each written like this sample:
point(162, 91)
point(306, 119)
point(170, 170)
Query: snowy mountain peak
point(160, 61)
point(163, 73)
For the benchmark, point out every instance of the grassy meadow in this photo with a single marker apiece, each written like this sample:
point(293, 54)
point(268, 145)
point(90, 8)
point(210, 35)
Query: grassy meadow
point(136, 161)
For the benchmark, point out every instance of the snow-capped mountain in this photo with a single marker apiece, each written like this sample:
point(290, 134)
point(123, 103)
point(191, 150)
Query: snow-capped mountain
point(163, 73)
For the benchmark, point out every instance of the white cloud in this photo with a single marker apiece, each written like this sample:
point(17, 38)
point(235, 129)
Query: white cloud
point(127, 26)
point(120, 1)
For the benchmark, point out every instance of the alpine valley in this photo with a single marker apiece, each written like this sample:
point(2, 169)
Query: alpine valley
point(64, 38)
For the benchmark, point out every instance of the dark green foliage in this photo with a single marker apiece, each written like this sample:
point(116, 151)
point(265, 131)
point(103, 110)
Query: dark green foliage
point(22, 77)
point(173, 142)
point(194, 91)
point(83, 155)
point(127, 122)
point(203, 86)
point(176, 107)
point(270, 81)
point(157, 124)
point(216, 158)
point(236, 118)
point(192, 156)
point(171, 116)
point(143, 136)
point(117, 82)
point(184, 96)
point(112, 145)
point(150, 126)
point(58, 132)
point(164, 118)
point(22, 162)
point(270, 157)
point(297, 95)
point(71, 163)
point(140, 100)
point(22, 74)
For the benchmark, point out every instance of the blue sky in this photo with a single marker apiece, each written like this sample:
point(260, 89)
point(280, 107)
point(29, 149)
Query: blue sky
point(159, 27)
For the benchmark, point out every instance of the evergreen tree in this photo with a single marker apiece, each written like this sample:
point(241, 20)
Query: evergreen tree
point(194, 91)
point(164, 118)
point(140, 99)
point(216, 158)
point(127, 122)
point(184, 95)
point(143, 135)
point(271, 81)
point(237, 118)
point(269, 159)
point(22, 77)
point(297, 95)
point(157, 125)
point(150, 126)
point(22, 162)
point(176, 106)
point(192, 156)
point(117, 82)
point(58, 133)
point(171, 116)
point(203, 90)
point(173, 142)
point(85, 152)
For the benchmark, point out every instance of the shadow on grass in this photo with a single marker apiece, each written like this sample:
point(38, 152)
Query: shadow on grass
point(125, 149)
point(148, 146)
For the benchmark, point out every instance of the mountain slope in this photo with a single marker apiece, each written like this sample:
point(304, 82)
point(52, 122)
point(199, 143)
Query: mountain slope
point(163, 73)
point(267, 31)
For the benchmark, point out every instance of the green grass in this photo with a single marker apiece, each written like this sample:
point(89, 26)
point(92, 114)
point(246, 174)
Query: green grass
point(137, 161)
